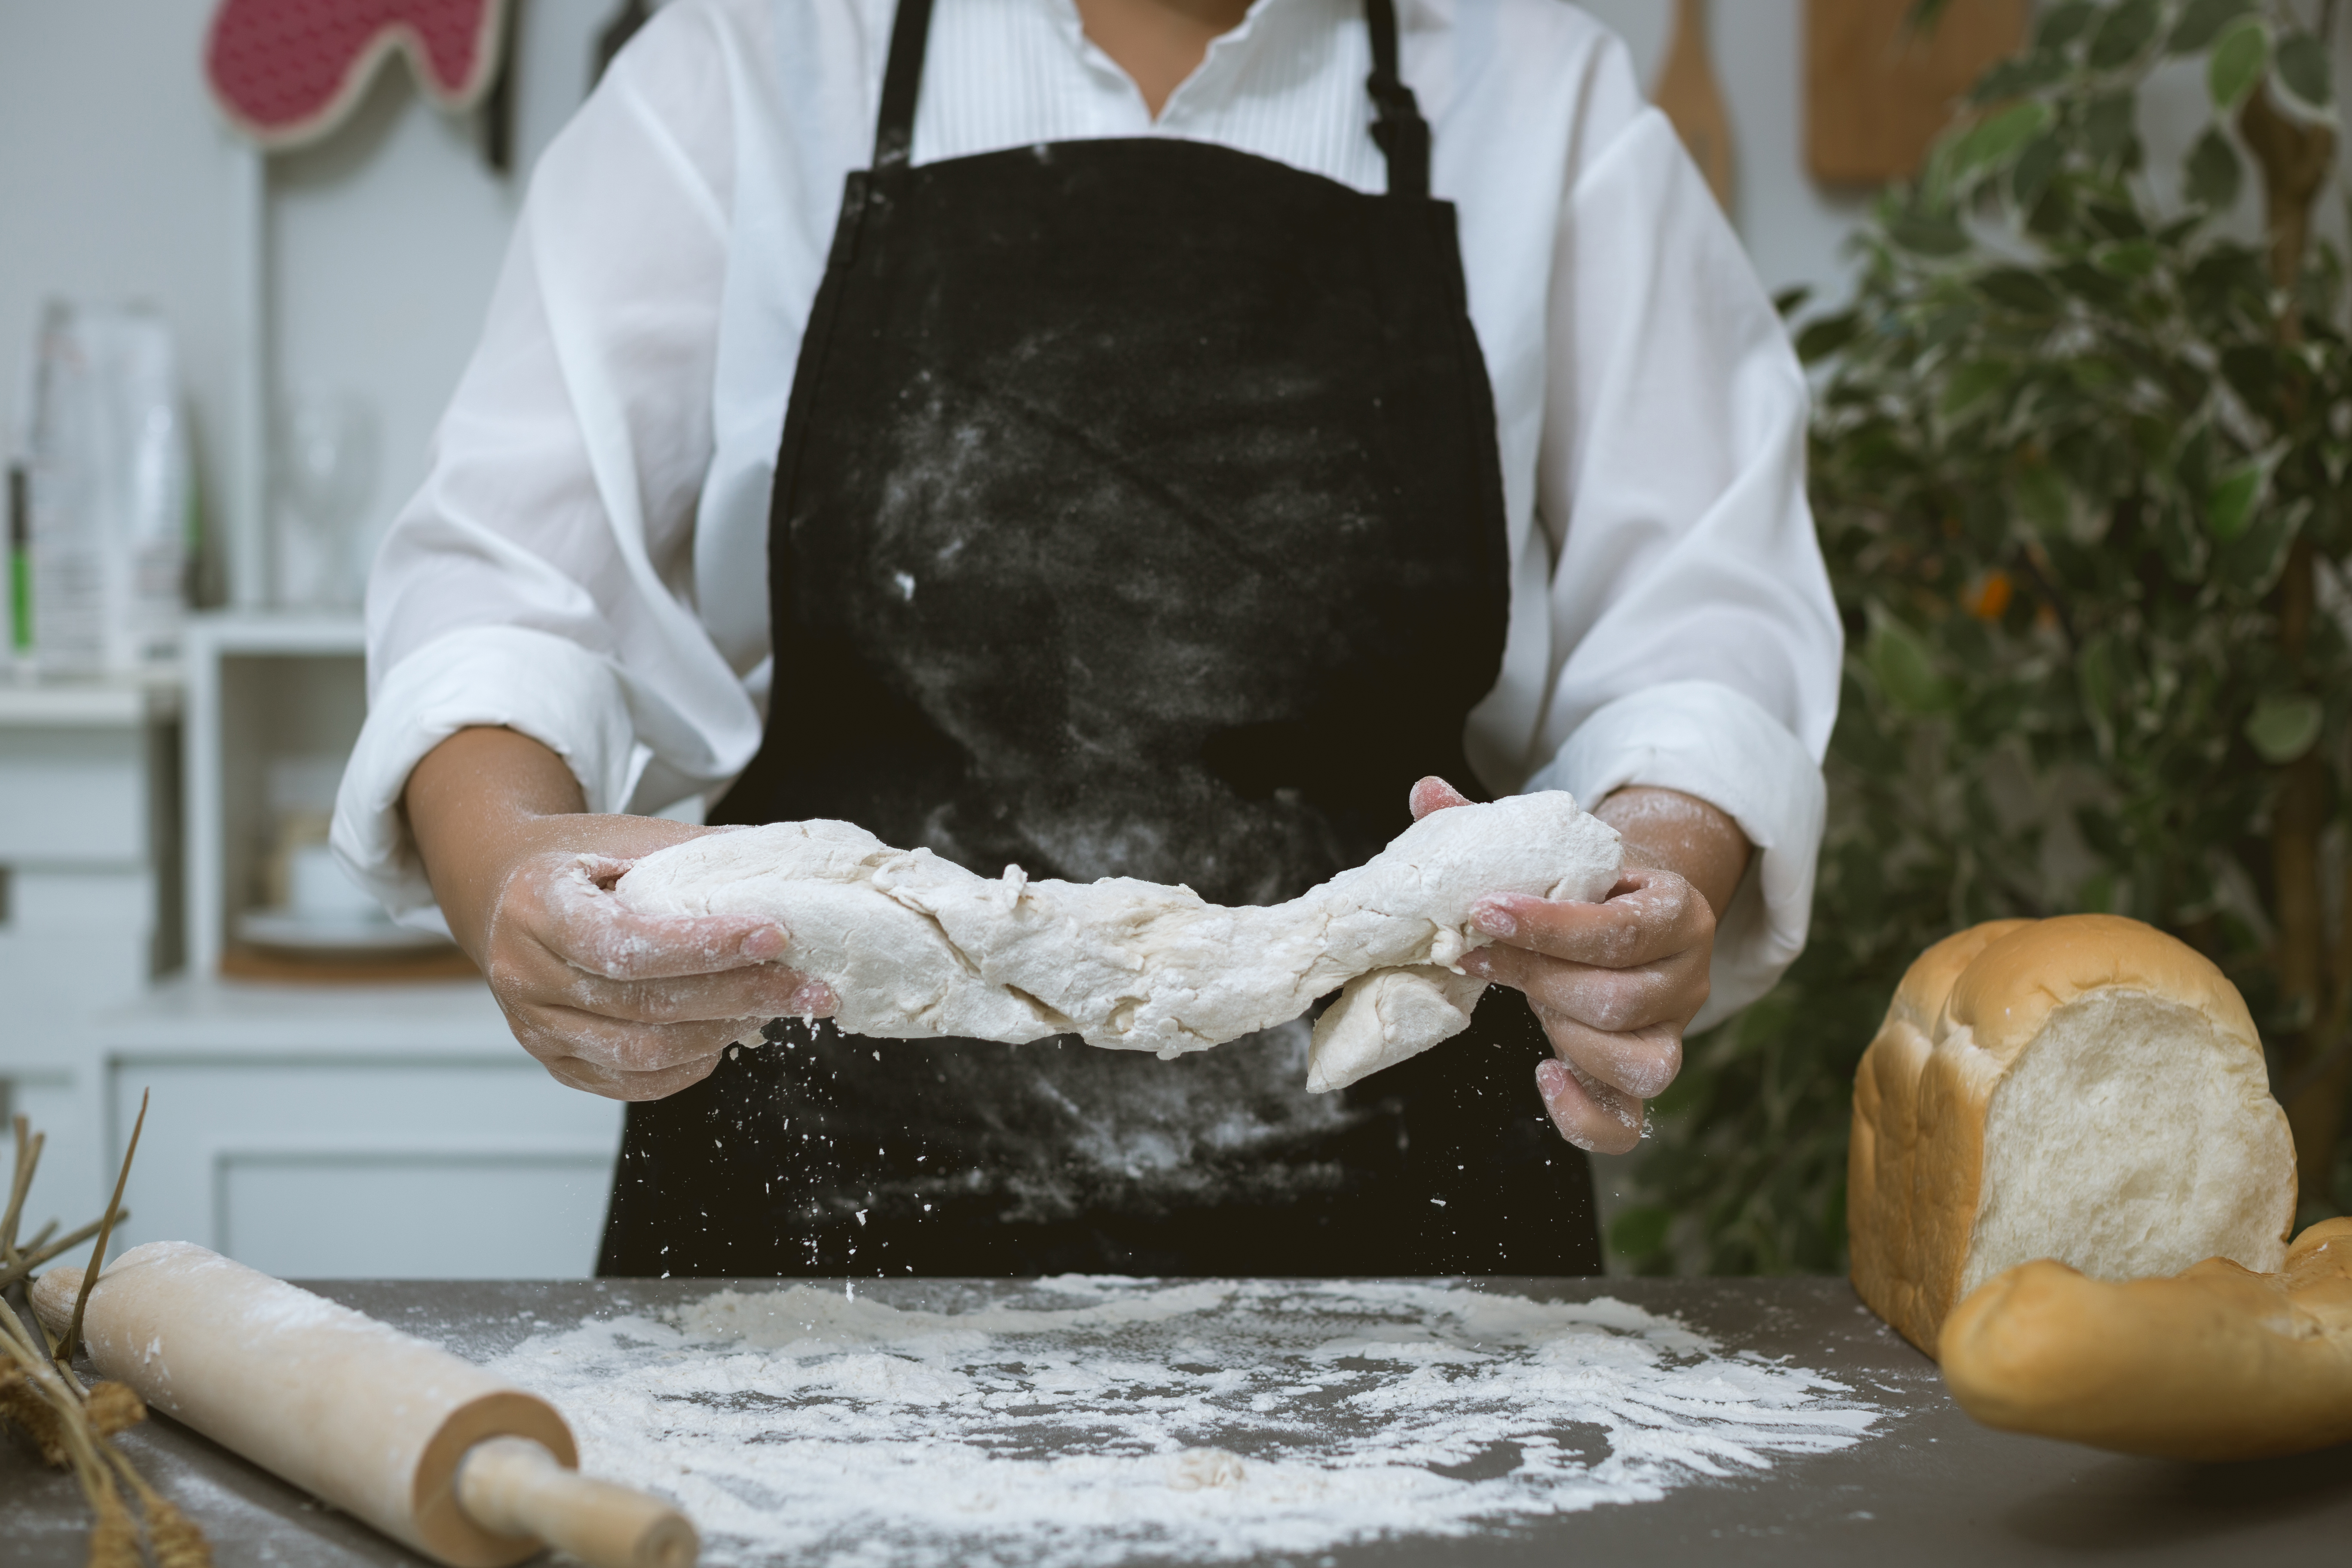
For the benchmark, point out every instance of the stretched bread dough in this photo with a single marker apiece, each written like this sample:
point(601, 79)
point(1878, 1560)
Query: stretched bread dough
point(916, 947)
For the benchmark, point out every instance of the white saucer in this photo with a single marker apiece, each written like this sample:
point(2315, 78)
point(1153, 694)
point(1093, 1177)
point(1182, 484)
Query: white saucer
point(331, 933)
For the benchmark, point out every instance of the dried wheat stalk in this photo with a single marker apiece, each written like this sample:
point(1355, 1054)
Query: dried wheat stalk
point(73, 1427)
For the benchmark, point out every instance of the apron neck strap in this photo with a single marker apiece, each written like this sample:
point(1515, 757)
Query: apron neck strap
point(1397, 124)
point(1398, 127)
point(902, 80)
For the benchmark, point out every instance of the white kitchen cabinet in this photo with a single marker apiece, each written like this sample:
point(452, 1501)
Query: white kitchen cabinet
point(90, 904)
point(346, 1131)
point(380, 1129)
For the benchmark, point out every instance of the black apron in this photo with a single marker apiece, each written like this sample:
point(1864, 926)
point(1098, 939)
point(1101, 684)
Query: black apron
point(1137, 513)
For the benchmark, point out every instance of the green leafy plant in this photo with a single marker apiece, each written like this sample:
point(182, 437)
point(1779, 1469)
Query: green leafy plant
point(2079, 460)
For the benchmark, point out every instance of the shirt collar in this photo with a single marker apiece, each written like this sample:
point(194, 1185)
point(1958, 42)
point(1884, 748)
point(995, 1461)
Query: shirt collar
point(1221, 59)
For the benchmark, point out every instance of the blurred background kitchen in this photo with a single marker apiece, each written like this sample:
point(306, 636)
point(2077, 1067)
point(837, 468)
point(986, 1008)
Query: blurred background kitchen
point(222, 366)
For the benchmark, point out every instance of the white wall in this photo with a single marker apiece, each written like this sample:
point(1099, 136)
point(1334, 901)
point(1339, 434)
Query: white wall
point(113, 184)
point(1796, 232)
point(115, 180)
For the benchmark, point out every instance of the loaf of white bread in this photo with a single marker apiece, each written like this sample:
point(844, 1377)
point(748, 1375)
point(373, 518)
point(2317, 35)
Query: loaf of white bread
point(2086, 1089)
point(2216, 1362)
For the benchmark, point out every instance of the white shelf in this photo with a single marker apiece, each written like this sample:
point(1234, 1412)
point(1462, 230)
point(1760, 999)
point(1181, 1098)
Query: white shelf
point(107, 702)
point(262, 686)
point(274, 632)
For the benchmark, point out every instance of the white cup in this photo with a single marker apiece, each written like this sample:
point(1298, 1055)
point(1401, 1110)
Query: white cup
point(317, 886)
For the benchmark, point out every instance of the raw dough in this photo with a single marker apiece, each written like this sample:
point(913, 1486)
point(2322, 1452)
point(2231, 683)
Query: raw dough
point(915, 946)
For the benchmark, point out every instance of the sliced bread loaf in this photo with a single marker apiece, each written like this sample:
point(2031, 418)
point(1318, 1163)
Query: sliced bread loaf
point(2085, 1089)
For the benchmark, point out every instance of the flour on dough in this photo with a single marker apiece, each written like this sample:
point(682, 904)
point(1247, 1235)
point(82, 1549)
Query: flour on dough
point(915, 946)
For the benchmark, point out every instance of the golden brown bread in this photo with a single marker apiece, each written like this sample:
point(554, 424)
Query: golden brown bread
point(2217, 1362)
point(2086, 1088)
point(1882, 1228)
point(2033, 967)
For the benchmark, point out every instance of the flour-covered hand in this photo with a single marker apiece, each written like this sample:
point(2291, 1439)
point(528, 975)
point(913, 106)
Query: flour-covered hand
point(620, 1004)
point(628, 1006)
point(1614, 983)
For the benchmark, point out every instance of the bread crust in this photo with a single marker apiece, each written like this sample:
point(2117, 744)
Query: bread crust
point(2007, 993)
point(1885, 1230)
point(1967, 1011)
point(2216, 1362)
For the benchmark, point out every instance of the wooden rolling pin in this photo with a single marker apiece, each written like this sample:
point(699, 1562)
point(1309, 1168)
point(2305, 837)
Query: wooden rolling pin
point(428, 1448)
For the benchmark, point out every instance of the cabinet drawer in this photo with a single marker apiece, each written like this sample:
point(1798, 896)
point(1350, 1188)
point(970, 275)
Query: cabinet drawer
point(73, 795)
point(411, 1212)
point(50, 984)
point(323, 1166)
point(100, 902)
point(58, 1100)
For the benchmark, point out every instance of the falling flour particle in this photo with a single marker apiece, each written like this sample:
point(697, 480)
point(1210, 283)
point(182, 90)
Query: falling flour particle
point(916, 947)
point(1086, 1422)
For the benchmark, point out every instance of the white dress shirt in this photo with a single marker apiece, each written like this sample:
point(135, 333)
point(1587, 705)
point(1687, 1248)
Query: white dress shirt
point(586, 562)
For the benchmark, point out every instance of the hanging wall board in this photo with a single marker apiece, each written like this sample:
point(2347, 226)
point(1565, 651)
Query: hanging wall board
point(1692, 98)
point(1876, 95)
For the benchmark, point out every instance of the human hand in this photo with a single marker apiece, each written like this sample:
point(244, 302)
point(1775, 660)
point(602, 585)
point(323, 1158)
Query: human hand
point(1613, 984)
point(629, 1007)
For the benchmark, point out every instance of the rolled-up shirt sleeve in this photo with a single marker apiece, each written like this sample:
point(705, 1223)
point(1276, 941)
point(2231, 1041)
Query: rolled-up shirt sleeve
point(541, 578)
point(1696, 644)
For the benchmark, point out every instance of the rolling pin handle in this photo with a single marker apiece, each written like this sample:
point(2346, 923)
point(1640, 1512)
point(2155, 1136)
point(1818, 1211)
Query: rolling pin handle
point(512, 1486)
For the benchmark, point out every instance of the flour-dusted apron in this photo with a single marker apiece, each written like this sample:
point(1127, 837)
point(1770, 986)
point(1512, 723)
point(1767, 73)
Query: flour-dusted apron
point(1139, 514)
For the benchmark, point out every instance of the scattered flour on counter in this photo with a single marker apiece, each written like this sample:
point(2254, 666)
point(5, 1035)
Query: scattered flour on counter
point(1089, 1421)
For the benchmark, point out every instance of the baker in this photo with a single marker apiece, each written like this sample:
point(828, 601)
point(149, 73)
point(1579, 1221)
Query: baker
point(1195, 425)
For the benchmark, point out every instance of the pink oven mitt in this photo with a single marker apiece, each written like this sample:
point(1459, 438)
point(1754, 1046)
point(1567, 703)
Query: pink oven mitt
point(288, 71)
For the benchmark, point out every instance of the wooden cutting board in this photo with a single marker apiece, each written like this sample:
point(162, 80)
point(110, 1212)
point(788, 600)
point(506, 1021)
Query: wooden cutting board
point(1876, 96)
point(1690, 96)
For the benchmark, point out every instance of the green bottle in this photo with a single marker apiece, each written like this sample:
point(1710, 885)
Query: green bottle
point(20, 562)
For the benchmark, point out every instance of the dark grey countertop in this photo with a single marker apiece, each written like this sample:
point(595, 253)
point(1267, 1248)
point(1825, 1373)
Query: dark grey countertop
point(1931, 1487)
